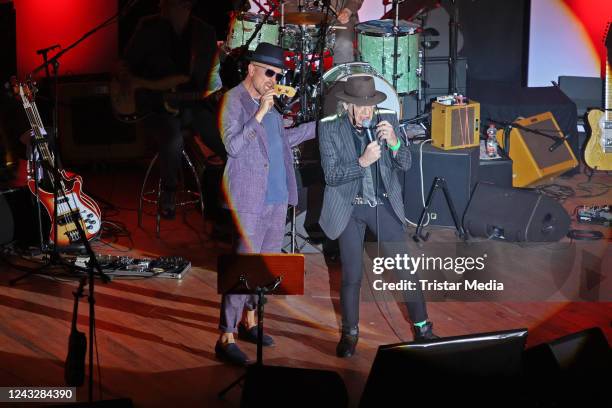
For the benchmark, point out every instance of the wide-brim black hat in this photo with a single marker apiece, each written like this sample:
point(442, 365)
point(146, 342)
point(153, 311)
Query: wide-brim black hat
point(361, 91)
point(269, 54)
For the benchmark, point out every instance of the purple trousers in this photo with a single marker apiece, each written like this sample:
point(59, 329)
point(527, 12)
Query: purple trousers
point(259, 234)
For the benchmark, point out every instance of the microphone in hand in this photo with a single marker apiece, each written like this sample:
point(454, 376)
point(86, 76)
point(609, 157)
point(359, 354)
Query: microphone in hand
point(367, 127)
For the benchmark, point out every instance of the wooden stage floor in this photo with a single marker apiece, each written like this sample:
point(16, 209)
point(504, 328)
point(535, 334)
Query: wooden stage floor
point(156, 336)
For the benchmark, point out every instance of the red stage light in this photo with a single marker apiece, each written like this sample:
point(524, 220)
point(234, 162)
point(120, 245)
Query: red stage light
point(41, 23)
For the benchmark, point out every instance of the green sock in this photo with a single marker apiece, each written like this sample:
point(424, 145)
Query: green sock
point(421, 324)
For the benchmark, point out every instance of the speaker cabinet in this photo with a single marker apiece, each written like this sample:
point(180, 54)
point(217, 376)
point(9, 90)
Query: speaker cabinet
point(515, 215)
point(460, 170)
point(455, 126)
point(532, 160)
point(89, 132)
point(18, 219)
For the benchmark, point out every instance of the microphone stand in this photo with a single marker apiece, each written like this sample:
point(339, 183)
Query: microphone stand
point(452, 51)
point(93, 262)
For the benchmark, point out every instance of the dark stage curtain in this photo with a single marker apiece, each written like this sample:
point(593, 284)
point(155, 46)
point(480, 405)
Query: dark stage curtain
point(496, 39)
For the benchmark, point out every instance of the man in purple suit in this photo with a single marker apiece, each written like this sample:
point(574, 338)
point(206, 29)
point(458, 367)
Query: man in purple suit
point(259, 182)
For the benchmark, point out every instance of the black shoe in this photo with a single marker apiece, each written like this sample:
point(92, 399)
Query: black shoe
point(424, 333)
point(167, 205)
point(250, 335)
point(347, 344)
point(231, 353)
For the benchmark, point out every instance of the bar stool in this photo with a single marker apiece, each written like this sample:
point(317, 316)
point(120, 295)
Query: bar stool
point(184, 197)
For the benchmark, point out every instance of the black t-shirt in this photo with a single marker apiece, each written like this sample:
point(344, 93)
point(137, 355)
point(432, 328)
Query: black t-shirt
point(156, 51)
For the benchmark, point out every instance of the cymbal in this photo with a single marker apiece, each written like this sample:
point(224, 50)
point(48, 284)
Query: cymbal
point(307, 18)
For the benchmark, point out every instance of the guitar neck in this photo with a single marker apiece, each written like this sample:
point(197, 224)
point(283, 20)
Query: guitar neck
point(608, 92)
point(39, 132)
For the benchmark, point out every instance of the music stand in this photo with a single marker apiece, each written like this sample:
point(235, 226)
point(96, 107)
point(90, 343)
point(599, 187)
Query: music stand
point(259, 274)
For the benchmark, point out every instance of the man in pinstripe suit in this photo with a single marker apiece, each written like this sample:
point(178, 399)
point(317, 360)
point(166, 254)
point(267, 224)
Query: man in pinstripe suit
point(362, 190)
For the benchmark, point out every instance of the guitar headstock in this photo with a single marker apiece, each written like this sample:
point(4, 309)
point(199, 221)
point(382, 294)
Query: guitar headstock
point(25, 91)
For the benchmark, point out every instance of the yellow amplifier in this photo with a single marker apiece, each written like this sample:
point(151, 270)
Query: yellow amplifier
point(455, 126)
point(530, 152)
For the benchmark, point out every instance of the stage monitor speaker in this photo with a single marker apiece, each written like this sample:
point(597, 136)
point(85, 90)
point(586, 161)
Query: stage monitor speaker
point(582, 353)
point(515, 215)
point(460, 170)
point(88, 130)
point(272, 386)
point(455, 126)
point(466, 368)
point(573, 370)
point(532, 160)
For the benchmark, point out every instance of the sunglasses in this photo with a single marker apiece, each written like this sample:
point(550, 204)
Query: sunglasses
point(270, 73)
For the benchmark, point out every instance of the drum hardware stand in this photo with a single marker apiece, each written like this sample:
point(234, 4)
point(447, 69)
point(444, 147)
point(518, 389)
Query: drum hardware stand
point(453, 34)
point(396, 28)
point(438, 183)
point(317, 109)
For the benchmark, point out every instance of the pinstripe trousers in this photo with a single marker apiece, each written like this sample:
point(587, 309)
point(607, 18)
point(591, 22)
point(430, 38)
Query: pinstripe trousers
point(392, 238)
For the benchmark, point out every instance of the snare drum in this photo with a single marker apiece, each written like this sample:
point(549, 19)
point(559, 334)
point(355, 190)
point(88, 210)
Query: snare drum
point(375, 44)
point(243, 25)
point(334, 79)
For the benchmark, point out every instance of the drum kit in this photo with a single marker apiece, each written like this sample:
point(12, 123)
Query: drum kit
point(388, 50)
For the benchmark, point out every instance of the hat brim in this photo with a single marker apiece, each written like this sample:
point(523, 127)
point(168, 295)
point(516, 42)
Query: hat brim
point(264, 59)
point(377, 98)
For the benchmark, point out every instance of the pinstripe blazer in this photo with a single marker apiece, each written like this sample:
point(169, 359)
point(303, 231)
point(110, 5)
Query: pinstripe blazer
point(343, 174)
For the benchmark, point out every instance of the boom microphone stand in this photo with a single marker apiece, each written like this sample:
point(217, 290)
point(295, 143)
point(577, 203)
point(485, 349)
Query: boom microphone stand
point(57, 188)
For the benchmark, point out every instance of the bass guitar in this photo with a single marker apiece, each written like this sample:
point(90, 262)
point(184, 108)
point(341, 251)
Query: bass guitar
point(598, 149)
point(70, 204)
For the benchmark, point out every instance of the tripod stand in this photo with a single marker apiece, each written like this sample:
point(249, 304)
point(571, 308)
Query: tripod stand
point(438, 183)
point(265, 272)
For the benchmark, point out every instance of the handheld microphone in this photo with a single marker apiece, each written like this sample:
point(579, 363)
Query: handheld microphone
point(367, 126)
point(279, 105)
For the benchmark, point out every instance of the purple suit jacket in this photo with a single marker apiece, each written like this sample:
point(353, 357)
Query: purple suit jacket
point(246, 173)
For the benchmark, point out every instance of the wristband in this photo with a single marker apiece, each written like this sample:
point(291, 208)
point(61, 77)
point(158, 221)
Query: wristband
point(397, 146)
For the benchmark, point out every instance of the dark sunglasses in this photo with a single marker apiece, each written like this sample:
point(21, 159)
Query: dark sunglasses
point(270, 73)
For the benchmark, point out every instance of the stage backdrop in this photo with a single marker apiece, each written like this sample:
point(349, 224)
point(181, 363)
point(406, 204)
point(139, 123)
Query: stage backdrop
point(566, 38)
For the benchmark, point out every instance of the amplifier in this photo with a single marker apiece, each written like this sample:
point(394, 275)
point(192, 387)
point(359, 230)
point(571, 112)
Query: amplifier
point(460, 170)
point(88, 129)
point(532, 160)
point(455, 126)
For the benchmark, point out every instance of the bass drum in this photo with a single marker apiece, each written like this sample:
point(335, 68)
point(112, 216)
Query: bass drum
point(335, 78)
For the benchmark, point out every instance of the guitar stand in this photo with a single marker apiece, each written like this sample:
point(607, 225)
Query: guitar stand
point(50, 250)
point(438, 183)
